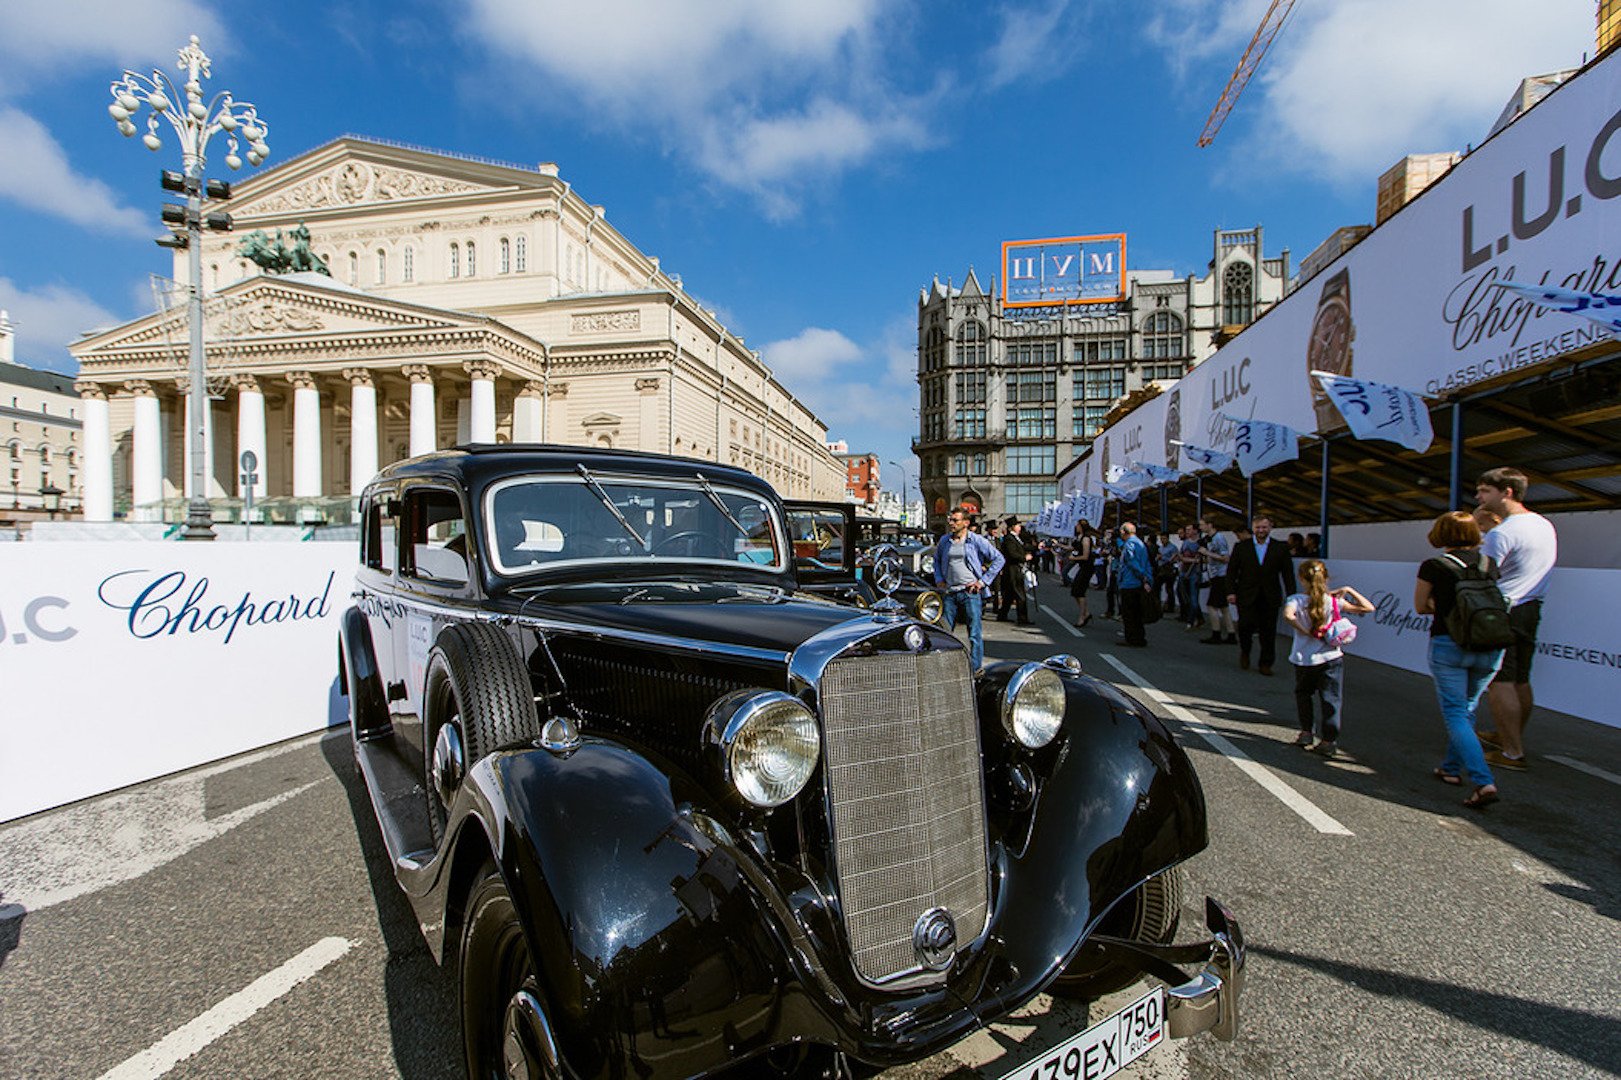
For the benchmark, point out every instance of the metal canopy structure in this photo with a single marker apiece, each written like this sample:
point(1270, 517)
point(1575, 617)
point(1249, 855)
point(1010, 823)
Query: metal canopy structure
point(1560, 425)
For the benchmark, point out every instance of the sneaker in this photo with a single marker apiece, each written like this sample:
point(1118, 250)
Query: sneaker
point(1500, 760)
point(1303, 740)
point(1325, 749)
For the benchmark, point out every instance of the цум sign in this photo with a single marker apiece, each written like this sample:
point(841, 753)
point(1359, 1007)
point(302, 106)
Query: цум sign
point(1064, 270)
point(122, 661)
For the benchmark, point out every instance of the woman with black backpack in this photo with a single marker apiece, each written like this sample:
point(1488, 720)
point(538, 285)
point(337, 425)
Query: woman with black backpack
point(1456, 588)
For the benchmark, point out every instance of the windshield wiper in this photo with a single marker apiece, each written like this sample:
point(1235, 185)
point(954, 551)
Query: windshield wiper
point(719, 505)
point(597, 490)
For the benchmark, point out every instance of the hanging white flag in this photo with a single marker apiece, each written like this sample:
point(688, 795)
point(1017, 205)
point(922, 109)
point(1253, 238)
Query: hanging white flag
point(1375, 410)
point(1159, 474)
point(1089, 506)
point(1206, 458)
point(1261, 444)
point(1123, 492)
point(1596, 307)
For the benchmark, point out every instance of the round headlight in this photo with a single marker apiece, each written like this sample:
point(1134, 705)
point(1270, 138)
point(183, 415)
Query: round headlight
point(1033, 705)
point(769, 742)
point(927, 606)
point(927, 564)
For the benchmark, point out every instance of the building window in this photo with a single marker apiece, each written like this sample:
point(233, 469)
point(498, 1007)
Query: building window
point(1238, 295)
point(455, 260)
point(382, 267)
point(1089, 420)
point(1032, 460)
point(1162, 336)
point(1106, 383)
point(934, 349)
point(979, 464)
point(1032, 387)
point(523, 255)
point(1033, 423)
point(1027, 500)
point(472, 260)
point(959, 465)
point(1172, 370)
point(969, 424)
point(409, 269)
point(1032, 353)
point(970, 387)
point(506, 256)
point(1096, 352)
point(354, 268)
point(971, 344)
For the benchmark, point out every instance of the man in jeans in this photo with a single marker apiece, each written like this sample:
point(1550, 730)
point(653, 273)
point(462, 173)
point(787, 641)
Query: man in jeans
point(965, 565)
point(1526, 547)
point(1136, 582)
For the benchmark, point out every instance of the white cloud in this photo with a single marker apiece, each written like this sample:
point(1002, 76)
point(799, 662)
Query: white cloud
point(765, 98)
point(1030, 45)
point(1350, 87)
point(813, 355)
point(48, 318)
point(35, 173)
point(47, 36)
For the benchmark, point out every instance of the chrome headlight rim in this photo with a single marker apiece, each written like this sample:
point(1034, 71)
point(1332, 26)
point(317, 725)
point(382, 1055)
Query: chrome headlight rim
point(929, 606)
point(735, 727)
point(1033, 723)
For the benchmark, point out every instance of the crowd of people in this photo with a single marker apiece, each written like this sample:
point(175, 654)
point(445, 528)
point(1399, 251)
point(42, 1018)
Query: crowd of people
point(1483, 591)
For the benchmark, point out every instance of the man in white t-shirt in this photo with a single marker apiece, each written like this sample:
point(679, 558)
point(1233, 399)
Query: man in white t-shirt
point(1526, 547)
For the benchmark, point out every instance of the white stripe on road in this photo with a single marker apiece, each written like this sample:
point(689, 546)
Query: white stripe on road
point(1287, 795)
point(1582, 766)
point(1065, 623)
point(188, 1039)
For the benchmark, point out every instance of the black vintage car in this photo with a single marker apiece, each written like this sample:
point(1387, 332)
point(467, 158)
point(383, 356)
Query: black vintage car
point(663, 814)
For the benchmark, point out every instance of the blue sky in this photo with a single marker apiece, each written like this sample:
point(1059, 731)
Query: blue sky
point(806, 167)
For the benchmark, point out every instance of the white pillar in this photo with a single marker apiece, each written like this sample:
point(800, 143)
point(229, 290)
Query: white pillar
point(555, 429)
point(526, 414)
point(362, 429)
point(424, 417)
point(250, 433)
point(208, 442)
point(146, 450)
point(306, 435)
point(481, 407)
point(647, 421)
point(98, 453)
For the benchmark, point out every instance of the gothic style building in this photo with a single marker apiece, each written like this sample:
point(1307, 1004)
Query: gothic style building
point(1010, 396)
point(469, 301)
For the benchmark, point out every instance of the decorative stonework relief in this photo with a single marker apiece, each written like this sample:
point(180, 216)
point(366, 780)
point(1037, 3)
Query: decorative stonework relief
point(270, 315)
point(604, 321)
point(356, 182)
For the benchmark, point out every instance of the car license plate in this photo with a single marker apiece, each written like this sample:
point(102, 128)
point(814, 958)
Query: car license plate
point(1104, 1048)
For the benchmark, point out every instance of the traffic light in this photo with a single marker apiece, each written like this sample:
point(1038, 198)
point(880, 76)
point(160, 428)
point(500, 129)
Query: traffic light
point(174, 215)
point(219, 222)
point(173, 181)
point(219, 190)
point(177, 241)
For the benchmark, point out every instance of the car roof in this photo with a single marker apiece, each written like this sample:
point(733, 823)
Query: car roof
point(473, 465)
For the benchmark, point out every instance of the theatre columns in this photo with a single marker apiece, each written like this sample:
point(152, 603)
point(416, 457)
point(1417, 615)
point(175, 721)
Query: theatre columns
point(424, 419)
point(481, 408)
point(362, 428)
point(146, 451)
point(306, 435)
point(250, 432)
point(647, 422)
point(526, 414)
point(98, 453)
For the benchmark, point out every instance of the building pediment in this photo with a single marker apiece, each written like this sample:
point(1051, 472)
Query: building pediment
point(353, 183)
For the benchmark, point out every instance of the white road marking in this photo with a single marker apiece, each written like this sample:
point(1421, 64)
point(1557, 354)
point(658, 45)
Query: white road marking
point(191, 1037)
point(64, 854)
point(1065, 623)
point(1285, 794)
point(1582, 766)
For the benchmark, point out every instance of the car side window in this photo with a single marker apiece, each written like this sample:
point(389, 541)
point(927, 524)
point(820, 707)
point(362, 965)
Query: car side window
point(434, 544)
point(377, 533)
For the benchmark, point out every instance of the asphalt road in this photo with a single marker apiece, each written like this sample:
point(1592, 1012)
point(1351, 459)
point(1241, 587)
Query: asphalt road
point(239, 920)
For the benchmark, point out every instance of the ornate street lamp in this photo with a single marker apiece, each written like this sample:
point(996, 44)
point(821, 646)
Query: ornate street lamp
point(194, 122)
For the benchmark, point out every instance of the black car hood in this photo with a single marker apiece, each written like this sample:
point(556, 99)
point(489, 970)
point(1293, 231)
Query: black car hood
point(722, 612)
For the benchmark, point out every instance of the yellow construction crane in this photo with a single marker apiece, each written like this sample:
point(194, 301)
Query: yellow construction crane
point(1271, 23)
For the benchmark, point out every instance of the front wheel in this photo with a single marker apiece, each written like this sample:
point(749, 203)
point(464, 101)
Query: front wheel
point(1149, 914)
point(505, 1032)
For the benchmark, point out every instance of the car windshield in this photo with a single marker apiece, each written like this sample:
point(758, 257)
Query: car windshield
point(536, 522)
point(818, 538)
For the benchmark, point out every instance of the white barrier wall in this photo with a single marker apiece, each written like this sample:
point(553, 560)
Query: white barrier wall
point(121, 661)
point(1577, 668)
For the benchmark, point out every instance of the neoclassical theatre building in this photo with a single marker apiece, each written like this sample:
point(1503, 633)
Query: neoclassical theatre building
point(469, 301)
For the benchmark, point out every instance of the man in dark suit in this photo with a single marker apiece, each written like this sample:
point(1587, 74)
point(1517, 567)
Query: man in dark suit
point(1017, 555)
point(1260, 574)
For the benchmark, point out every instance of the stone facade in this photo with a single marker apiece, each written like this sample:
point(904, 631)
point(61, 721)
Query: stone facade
point(469, 301)
point(41, 428)
point(1009, 397)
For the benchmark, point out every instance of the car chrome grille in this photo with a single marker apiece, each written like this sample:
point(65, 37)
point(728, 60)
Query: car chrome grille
point(908, 813)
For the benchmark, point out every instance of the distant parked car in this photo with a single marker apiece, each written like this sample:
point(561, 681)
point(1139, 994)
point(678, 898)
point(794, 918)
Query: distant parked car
point(829, 563)
point(665, 814)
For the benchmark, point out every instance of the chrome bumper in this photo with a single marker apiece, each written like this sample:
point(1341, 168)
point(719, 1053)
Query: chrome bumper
point(1209, 1000)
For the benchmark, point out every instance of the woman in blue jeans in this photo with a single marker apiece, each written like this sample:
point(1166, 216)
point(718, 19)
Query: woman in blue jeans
point(1461, 675)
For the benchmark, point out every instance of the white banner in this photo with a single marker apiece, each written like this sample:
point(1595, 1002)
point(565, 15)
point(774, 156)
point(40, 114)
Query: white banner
point(121, 660)
point(1595, 307)
point(1206, 458)
point(1260, 444)
point(1577, 668)
point(1374, 410)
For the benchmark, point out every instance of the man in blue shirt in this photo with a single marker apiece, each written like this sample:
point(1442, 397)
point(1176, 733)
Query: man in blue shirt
point(1136, 582)
point(965, 564)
